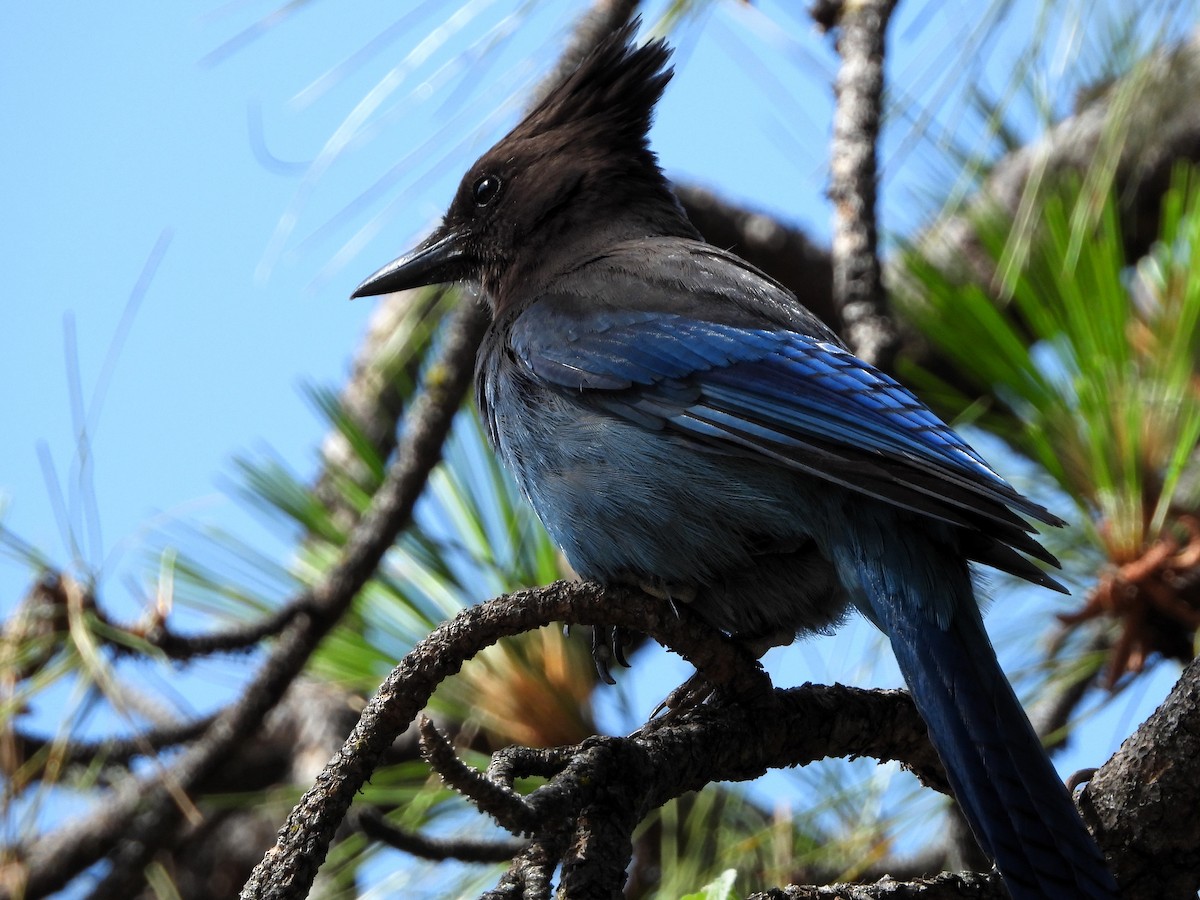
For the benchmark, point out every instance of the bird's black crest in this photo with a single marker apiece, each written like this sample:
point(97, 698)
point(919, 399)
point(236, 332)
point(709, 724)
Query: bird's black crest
point(612, 92)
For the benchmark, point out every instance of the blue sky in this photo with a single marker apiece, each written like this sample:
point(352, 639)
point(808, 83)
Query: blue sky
point(275, 187)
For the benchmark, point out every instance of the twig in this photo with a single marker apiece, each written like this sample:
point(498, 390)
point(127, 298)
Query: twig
point(510, 763)
point(501, 802)
point(234, 639)
point(376, 827)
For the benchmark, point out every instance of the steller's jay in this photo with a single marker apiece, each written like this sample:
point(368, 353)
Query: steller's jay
point(680, 422)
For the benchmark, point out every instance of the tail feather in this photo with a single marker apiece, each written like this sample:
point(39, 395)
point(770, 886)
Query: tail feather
point(1009, 791)
point(1017, 806)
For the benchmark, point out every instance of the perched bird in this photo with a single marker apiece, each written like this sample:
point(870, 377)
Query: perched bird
point(679, 421)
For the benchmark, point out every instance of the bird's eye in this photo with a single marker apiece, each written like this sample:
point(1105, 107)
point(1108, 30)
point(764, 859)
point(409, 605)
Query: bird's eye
point(486, 189)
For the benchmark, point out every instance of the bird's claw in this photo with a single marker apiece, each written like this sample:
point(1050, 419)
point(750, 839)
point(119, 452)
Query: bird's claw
point(608, 645)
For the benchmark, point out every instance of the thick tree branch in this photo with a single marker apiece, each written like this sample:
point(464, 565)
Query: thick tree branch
point(1142, 805)
point(1143, 802)
point(857, 274)
point(948, 886)
point(685, 751)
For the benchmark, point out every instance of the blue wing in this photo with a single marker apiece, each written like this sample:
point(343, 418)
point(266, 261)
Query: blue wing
point(801, 401)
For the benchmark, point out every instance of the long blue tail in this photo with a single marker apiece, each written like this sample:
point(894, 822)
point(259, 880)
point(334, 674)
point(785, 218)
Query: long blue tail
point(919, 592)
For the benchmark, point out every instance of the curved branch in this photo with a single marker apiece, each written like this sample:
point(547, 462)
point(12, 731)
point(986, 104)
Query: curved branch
point(288, 870)
point(682, 752)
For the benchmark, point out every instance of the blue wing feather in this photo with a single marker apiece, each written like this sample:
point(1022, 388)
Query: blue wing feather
point(796, 399)
point(802, 386)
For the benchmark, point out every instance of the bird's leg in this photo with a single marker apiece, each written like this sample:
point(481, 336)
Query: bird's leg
point(665, 590)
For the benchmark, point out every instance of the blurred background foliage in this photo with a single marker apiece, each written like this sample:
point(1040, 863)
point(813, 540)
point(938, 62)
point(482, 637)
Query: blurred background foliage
point(1084, 361)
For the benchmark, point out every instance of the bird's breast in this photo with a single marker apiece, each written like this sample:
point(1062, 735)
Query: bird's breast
point(631, 504)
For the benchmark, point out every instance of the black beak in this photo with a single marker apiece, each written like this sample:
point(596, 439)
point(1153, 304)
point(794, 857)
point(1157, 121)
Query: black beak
point(437, 259)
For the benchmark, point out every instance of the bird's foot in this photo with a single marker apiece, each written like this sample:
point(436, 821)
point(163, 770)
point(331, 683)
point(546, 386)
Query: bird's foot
point(692, 693)
point(697, 689)
point(608, 642)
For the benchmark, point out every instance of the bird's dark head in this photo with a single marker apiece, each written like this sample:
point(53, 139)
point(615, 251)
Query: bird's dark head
point(575, 173)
